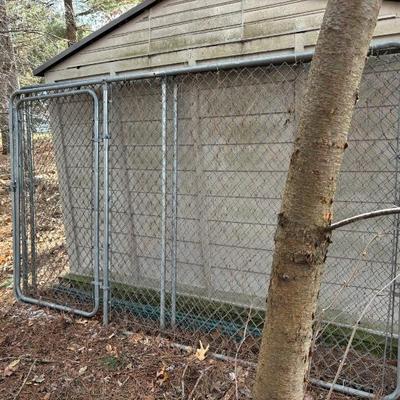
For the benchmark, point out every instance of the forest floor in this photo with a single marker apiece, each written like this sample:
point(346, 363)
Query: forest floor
point(47, 355)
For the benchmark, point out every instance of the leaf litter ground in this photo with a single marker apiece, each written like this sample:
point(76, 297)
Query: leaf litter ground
point(47, 355)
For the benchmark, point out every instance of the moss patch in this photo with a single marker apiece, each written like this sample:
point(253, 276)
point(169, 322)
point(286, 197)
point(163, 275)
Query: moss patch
point(194, 313)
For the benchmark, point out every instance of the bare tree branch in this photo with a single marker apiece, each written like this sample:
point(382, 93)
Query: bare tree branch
point(3, 32)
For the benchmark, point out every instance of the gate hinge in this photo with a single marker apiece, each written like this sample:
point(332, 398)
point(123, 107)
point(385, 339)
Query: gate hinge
point(396, 291)
point(13, 187)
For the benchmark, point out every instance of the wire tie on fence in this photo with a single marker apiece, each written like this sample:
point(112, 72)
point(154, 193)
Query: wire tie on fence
point(105, 287)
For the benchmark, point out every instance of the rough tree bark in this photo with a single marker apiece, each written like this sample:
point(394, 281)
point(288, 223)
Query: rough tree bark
point(8, 75)
point(301, 239)
point(70, 22)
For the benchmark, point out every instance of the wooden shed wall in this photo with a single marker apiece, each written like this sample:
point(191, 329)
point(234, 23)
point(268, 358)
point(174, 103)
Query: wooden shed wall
point(236, 130)
point(178, 32)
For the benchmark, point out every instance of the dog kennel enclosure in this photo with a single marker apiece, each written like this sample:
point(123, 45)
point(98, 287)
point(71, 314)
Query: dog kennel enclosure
point(151, 197)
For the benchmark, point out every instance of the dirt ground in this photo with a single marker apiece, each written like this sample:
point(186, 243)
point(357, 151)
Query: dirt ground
point(47, 355)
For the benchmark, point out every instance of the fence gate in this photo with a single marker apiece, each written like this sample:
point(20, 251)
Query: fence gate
point(56, 204)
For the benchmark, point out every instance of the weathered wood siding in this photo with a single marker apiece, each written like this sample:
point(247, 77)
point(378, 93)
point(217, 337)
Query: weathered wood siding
point(236, 130)
point(179, 32)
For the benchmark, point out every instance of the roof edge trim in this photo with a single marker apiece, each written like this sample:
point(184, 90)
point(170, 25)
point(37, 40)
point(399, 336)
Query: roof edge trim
point(122, 19)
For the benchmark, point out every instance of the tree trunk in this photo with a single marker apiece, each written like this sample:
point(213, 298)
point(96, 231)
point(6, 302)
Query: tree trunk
point(301, 239)
point(70, 23)
point(8, 75)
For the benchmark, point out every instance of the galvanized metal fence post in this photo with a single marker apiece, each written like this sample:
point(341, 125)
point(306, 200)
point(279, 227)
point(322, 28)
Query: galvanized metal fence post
point(96, 209)
point(163, 266)
point(21, 115)
point(174, 248)
point(395, 270)
point(106, 261)
point(31, 196)
point(15, 190)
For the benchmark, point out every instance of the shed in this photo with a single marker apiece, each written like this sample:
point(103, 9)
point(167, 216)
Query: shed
point(202, 103)
point(171, 33)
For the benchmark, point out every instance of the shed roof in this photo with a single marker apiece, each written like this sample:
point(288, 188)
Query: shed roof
point(122, 19)
point(93, 37)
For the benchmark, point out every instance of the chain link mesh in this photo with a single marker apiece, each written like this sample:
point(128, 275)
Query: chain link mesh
point(211, 209)
point(135, 196)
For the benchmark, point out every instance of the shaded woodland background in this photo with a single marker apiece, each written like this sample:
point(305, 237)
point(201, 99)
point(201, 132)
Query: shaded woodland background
point(33, 31)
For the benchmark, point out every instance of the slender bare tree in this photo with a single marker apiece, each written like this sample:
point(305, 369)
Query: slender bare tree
point(8, 74)
point(302, 238)
point(70, 22)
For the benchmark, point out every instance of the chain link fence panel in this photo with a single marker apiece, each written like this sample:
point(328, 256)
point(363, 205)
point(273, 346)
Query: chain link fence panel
point(194, 167)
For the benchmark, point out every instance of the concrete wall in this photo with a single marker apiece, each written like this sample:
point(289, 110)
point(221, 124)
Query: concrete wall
point(236, 130)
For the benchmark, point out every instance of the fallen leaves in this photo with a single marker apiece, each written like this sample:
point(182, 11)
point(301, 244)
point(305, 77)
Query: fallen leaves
point(82, 370)
point(112, 350)
point(38, 379)
point(81, 321)
point(75, 347)
point(162, 376)
point(120, 384)
point(201, 353)
point(136, 338)
point(11, 368)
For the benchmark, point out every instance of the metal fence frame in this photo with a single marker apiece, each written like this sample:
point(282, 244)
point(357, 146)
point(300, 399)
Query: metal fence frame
point(17, 181)
point(74, 87)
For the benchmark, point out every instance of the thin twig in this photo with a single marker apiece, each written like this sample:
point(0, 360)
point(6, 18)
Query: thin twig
point(183, 381)
point(123, 383)
point(27, 358)
point(238, 351)
point(319, 330)
point(25, 380)
point(355, 327)
point(354, 273)
point(36, 32)
point(197, 382)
